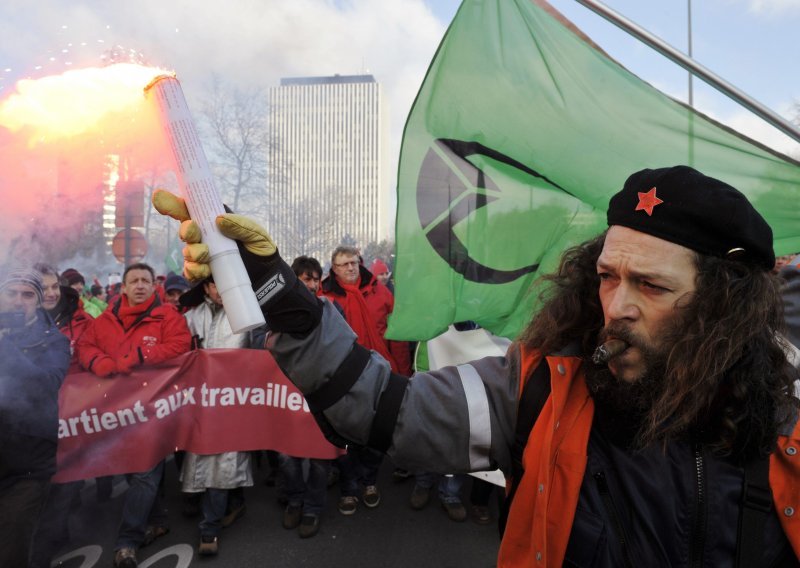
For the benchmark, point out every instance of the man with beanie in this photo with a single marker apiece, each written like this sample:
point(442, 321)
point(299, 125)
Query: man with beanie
point(647, 416)
point(63, 304)
point(136, 330)
point(381, 273)
point(175, 286)
point(34, 357)
point(71, 278)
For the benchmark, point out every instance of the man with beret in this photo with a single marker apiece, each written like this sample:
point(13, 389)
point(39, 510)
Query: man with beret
point(649, 402)
point(34, 357)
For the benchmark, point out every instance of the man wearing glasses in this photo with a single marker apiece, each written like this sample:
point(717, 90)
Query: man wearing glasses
point(35, 357)
point(366, 304)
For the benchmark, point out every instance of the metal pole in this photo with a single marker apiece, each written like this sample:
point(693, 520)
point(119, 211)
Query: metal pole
point(691, 90)
point(689, 32)
point(690, 65)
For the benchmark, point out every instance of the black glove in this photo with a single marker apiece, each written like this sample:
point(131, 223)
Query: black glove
point(285, 301)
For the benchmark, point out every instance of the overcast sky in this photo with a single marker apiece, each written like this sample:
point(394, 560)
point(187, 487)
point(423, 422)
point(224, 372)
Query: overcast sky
point(751, 43)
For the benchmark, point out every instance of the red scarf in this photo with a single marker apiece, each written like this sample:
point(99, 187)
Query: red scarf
point(361, 321)
point(128, 314)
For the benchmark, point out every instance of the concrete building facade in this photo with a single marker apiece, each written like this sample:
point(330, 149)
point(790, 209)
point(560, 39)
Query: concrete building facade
point(328, 164)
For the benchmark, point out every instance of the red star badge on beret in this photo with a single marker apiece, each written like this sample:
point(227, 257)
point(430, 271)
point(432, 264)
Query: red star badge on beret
point(647, 201)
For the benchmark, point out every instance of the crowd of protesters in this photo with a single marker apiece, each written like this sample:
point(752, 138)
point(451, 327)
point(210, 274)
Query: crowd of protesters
point(142, 319)
point(52, 323)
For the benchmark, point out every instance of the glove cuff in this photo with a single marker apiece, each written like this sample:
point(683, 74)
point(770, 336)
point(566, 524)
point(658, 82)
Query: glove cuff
point(287, 304)
point(275, 283)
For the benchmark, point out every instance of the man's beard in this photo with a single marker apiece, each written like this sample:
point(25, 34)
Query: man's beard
point(622, 406)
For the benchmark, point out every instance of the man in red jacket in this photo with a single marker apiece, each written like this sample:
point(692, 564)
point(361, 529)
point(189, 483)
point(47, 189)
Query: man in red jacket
point(136, 330)
point(366, 304)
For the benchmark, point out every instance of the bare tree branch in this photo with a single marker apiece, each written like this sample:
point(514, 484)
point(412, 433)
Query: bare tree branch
point(233, 124)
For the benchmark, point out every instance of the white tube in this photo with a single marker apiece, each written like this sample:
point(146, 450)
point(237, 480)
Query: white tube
point(204, 204)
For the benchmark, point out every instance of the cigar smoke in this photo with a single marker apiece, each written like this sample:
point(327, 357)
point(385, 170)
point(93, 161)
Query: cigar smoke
point(607, 350)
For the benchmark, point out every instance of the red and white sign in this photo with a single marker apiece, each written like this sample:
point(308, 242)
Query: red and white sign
point(207, 401)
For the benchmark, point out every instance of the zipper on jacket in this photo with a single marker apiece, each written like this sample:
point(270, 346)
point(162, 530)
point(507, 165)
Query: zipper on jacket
point(619, 528)
point(699, 522)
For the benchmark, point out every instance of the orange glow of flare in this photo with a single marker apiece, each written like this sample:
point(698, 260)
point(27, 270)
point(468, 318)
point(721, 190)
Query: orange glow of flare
point(75, 102)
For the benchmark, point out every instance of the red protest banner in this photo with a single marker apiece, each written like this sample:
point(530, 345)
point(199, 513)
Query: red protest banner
point(205, 401)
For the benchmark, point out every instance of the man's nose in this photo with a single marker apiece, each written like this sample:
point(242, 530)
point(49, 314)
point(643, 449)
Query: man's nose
point(622, 304)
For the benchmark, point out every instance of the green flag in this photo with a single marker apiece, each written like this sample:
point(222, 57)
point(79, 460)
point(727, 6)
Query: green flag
point(521, 132)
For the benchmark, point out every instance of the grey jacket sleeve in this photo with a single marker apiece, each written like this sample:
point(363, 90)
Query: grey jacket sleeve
point(453, 420)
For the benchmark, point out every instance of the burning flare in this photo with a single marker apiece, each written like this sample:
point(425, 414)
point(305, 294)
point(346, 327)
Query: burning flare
point(75, 102)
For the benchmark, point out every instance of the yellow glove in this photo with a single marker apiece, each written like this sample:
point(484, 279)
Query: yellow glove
point(253, 237)
point(284, 299)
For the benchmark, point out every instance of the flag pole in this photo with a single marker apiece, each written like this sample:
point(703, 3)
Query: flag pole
point(694, 67)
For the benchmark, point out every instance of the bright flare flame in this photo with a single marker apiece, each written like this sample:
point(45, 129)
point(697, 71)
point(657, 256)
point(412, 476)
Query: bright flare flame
point(70, 104)
point(70, 146)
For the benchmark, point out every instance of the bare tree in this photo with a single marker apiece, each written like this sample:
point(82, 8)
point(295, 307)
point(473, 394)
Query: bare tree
point(383, 250)
point(303, 225)
point(233, 124)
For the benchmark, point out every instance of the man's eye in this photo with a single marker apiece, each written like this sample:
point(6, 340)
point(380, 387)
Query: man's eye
point(603, 275)
point(654, 287)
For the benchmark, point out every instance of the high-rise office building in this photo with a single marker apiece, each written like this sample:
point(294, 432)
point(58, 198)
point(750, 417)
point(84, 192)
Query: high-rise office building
point(329, 171)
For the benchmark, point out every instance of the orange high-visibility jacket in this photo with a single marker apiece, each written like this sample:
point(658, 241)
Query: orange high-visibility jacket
point(541, 516)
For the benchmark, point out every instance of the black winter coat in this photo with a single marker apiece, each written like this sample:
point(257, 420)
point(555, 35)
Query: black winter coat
point(33, 362)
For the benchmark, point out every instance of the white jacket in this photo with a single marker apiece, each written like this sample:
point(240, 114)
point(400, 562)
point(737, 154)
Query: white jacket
point(229, 469)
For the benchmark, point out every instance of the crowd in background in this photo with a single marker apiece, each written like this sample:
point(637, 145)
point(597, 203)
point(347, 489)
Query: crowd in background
point(141, 318)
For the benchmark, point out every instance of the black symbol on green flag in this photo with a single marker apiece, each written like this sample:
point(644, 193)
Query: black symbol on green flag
point(444, 200)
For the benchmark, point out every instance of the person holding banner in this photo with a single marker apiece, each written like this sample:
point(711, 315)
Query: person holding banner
point(35, 357)
point(649, 403)
point(220, 477)
point(137, 329)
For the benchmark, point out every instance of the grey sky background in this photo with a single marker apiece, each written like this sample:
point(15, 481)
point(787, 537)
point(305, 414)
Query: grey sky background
point(752, 43)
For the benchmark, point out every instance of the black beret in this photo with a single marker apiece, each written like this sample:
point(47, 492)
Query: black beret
point(683, 206)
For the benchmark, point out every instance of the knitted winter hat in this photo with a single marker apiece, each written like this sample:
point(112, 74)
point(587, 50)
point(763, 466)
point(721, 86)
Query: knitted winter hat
point(28, 276)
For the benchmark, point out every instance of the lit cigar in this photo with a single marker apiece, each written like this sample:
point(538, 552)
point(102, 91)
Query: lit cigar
point(607, 350)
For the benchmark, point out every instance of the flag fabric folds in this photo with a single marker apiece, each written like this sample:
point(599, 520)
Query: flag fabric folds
point(521, 132)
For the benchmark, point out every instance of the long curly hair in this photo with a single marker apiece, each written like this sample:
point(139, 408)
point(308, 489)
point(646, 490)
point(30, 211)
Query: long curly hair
point(726, 375)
